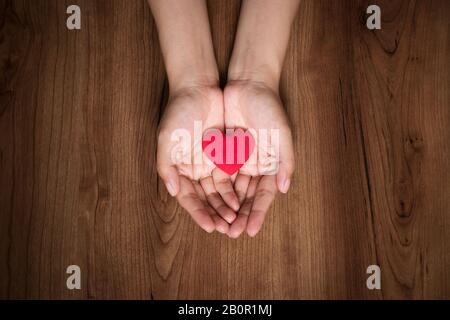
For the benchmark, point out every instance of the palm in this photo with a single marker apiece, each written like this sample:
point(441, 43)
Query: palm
point(254, 106)
point(204, 106)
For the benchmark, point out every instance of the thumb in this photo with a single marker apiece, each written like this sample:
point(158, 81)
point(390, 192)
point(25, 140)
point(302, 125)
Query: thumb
point(287, 163)
point(284, 177)
point(169, 175)
point(166, 166)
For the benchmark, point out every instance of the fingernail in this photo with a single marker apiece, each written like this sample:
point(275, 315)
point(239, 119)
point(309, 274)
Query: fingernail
point(236, 204)
point(230, 218)
point(171, 189)
point(221, 229)
point(252, 232)
point(285, 185)
point(233, 234)
point(209, 228)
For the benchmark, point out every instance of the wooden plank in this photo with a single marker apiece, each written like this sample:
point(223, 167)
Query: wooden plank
point(401, 86)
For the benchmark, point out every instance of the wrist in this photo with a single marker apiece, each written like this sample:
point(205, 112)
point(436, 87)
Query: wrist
point(195, 66)
point(191, 76)
point(247, 69)
point(190, 80)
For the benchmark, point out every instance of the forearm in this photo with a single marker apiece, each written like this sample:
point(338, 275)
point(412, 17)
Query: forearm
point(261, 41)
point(186, 43)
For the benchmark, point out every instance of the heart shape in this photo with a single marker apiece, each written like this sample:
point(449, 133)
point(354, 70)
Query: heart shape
point(229, 151)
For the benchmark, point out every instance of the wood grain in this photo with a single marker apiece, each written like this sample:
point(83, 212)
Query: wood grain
point(370, 111)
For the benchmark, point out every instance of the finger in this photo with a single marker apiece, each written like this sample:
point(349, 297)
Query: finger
point(221, 225)
point(265, 194)
point(241, 185)
point(239, 225)
point(216, 201)
point(287, 162)
point(190, 200)
point(222, 184)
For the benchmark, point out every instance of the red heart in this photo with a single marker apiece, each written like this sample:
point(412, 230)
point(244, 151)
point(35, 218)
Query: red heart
point(228, 151)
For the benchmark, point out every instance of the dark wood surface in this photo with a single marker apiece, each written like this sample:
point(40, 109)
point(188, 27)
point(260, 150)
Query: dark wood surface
point(78, 185)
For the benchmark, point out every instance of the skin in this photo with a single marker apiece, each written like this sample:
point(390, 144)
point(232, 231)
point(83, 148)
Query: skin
point(251, 99)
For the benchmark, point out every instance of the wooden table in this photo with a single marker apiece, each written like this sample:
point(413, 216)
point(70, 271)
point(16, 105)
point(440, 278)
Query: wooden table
point(78, 116)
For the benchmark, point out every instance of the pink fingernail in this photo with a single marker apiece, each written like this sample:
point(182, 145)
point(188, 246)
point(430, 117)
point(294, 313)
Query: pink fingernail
point(171, 189)
point(230, 218)
point(285, 185)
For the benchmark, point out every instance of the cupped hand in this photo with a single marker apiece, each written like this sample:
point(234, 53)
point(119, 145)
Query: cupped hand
point(254, 105)
point(203, 190)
